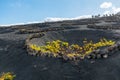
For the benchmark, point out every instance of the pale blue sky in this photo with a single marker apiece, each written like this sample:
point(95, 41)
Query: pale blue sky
point(22, 11)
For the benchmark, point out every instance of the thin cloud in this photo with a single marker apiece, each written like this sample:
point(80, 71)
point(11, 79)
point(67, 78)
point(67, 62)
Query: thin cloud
point(112, 9)
point(53, 19)
point(107, 12)
point(115, 10)
point(106, 5)
point(50, 19)
point(33, 22)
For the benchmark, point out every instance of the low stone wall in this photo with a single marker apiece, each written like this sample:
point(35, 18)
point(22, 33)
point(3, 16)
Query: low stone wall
point(96, 54)
point(104, 53)
point(104, 27)
point(26, 31)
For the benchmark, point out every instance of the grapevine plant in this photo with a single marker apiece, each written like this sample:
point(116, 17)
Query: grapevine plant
point(7, 76)
point(60, 48)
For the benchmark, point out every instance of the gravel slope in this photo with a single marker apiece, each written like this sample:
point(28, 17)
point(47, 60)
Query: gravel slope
point(13, 57)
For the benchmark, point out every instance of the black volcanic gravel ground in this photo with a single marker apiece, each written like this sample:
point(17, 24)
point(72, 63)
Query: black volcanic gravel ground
point(14, 58)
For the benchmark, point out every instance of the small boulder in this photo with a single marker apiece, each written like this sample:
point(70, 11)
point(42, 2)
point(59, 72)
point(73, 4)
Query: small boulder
point(105, 55)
